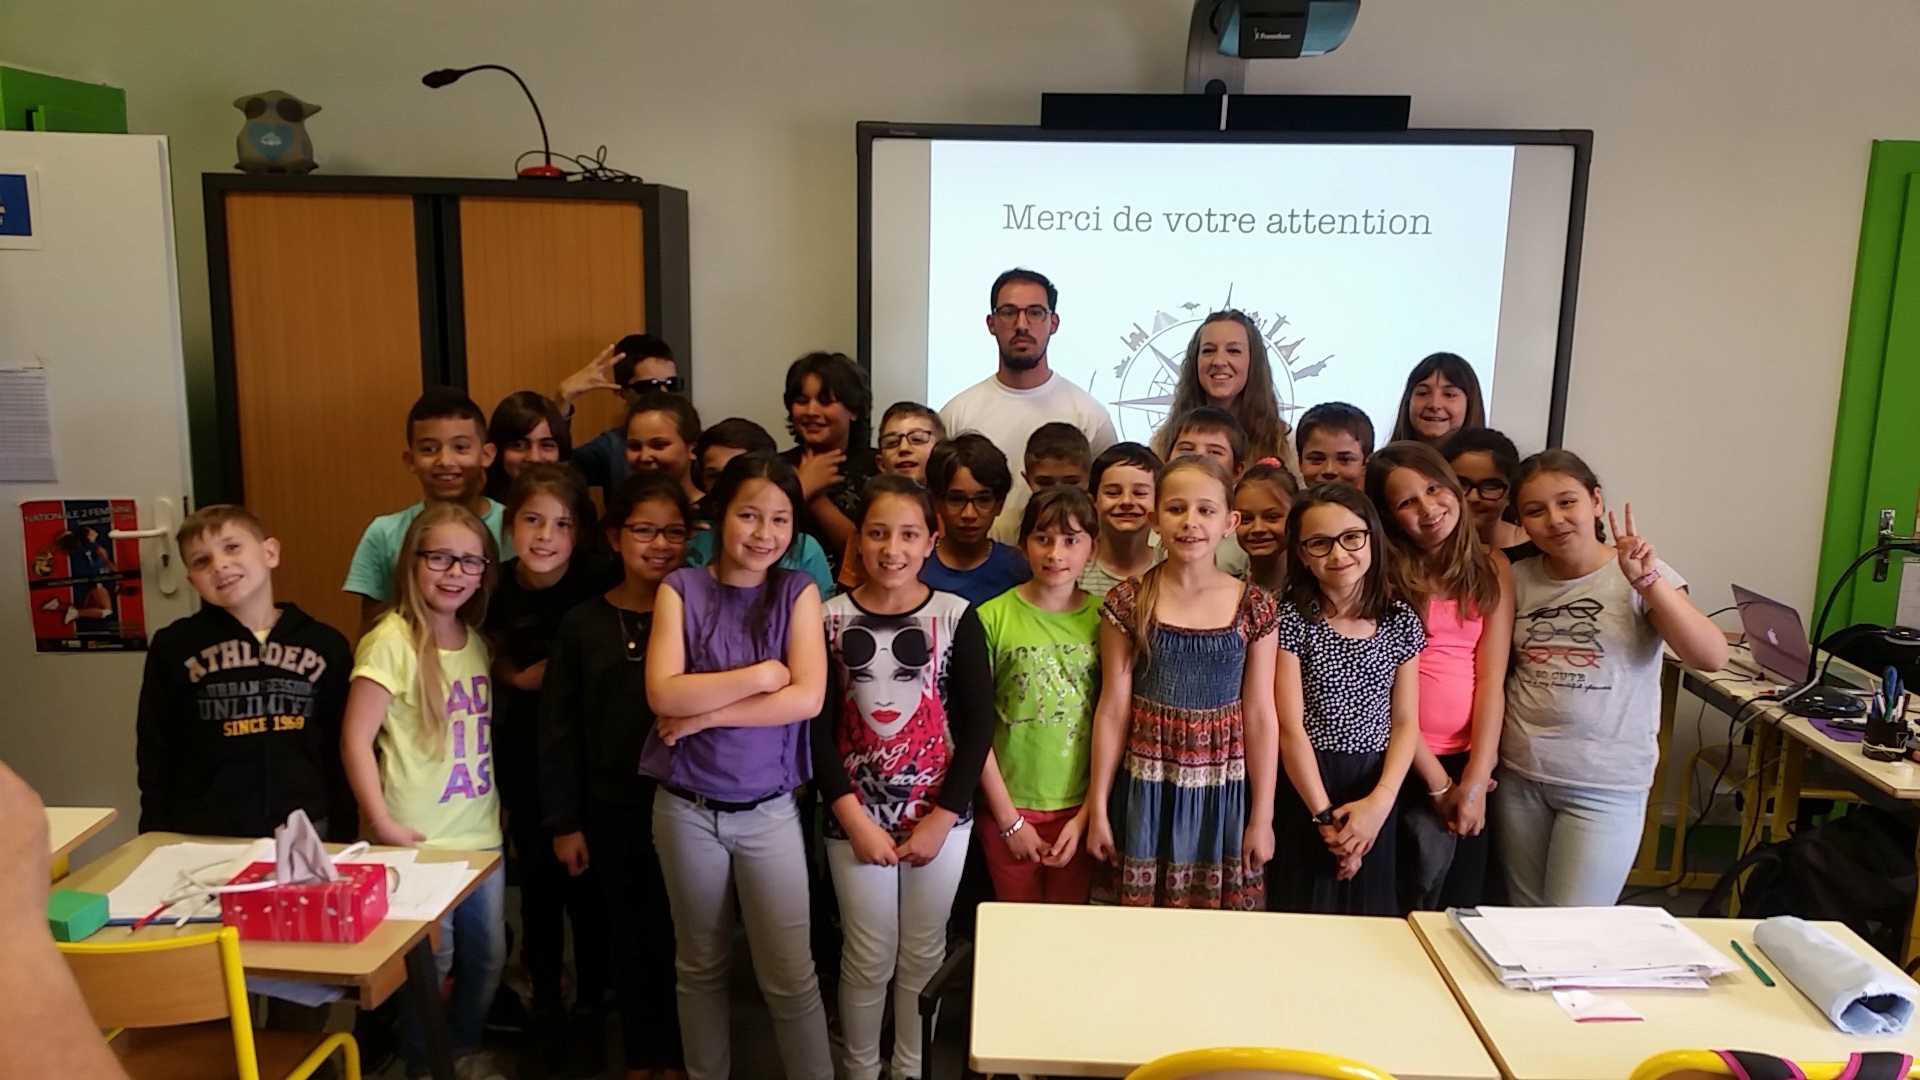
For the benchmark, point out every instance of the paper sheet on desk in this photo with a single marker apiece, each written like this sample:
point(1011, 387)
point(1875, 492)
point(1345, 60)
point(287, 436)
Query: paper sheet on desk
point(425, 889)
point(164, 871)
point(1593, 948)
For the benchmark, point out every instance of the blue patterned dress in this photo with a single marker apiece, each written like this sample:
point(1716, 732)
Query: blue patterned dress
point(1179, 804)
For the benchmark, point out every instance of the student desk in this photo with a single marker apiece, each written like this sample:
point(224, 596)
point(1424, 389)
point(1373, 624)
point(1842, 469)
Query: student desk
point(1532, 1038)
point(1069, 990)
point(1775, 761)
point(370, 970)
point(70, 826)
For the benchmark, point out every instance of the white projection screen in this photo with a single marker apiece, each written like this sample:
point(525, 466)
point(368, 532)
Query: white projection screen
point(1357, 254)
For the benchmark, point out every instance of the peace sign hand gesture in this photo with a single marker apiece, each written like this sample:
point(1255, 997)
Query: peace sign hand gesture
point(1637, 559)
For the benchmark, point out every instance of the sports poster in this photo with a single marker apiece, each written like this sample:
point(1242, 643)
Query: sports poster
point(83, 586)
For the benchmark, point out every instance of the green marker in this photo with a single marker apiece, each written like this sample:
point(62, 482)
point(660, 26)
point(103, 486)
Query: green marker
point(1765, 979)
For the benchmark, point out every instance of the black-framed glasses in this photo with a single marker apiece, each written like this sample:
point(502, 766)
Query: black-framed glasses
point(646, 531)
point(956, 502)
point(1493, 487)
point(916, 437)
point(1321, 546)
point(440, 561)
point(1007, 313)
point(670, 384)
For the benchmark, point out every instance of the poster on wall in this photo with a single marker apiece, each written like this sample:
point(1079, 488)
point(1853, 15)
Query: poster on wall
point(19, 201)
point(83, 585)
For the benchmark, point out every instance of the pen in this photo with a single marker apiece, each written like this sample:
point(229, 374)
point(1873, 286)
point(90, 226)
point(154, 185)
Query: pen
point(1765, 979)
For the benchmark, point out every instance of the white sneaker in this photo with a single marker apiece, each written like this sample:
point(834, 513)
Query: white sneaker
point(72, 614)
point(480, 1066)
point(51, 605)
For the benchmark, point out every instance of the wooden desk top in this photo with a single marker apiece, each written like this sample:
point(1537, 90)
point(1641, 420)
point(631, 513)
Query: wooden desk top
point(367, 964)
point(1895, 779)
point(1534, 1039)
point(70, 826)
point(1095, 991)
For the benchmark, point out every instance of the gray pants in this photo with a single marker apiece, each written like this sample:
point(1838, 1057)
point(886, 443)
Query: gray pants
point(707, 857)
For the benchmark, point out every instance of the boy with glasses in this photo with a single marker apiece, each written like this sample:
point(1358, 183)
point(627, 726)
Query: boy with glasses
point(1024, 392)
point(969, 479)
point(908, 432)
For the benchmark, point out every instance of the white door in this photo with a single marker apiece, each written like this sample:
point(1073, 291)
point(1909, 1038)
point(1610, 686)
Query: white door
point(96, 305)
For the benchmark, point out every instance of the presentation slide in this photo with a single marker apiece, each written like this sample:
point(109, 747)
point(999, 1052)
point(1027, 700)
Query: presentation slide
point(1355, 260)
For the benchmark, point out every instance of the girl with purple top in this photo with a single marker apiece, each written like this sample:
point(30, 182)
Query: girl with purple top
point(736, 667)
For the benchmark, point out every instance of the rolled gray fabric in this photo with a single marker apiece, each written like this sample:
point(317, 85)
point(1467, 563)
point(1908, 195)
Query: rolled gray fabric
point(1859, 997)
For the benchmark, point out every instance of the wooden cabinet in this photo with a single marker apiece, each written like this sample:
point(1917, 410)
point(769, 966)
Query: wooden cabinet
point(336, 300)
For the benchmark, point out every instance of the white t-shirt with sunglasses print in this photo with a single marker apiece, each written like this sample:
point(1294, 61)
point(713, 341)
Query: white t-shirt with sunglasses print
point(1583, 689)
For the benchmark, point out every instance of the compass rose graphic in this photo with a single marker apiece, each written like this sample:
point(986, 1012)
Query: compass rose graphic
point(1151, 368)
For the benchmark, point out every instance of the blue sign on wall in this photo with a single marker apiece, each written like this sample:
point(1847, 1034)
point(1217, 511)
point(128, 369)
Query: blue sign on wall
point(16, 213)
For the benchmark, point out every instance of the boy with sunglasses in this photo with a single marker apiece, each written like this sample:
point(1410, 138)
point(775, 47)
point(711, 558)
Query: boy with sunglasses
point(636, 365)
point(968, 478)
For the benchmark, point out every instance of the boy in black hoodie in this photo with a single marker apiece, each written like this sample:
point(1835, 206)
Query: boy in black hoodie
point(241, 704)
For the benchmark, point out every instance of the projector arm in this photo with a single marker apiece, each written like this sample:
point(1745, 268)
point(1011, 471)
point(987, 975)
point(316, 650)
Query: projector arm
point(1205, 63)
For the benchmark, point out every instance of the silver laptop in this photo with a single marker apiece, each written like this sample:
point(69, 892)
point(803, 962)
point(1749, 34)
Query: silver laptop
point(1775, 634)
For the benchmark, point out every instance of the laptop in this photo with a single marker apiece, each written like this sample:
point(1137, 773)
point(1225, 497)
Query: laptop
point(1776, 635)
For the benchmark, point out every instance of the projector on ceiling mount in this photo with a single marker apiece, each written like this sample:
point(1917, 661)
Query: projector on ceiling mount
point(1283, 29)
point(1224, 34)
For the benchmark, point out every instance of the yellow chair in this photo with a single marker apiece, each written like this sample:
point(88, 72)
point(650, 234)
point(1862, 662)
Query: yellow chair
point(1251, 1061)
point(1696, 1064)
point(164, 1000)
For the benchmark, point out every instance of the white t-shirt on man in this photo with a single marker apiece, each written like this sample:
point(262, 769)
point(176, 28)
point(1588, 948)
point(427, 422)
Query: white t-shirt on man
point(1008, 417)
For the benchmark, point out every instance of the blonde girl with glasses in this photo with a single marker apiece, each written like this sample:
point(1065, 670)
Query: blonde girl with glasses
point(422, 695)
point(1347, 687)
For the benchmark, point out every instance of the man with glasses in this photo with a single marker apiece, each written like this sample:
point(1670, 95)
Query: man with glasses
point(1024, 393)
point(636, 365)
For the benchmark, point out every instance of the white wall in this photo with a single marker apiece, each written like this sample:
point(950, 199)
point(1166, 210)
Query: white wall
point(1730, 153)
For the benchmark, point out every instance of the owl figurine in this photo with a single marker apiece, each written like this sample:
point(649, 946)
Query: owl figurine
point(275, 137)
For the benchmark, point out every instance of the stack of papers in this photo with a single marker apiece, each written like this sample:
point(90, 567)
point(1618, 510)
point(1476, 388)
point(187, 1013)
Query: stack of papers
point(178, 874)
point(424, 889)
point(1631, 948)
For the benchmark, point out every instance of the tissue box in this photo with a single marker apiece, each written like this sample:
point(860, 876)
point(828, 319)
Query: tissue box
point(335, 911)
point(71, 916)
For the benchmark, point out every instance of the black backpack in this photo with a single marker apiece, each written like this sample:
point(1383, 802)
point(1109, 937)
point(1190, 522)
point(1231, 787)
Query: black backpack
point(1857, 869)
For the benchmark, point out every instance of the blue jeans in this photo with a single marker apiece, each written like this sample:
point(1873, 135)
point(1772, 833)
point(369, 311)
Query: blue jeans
point(1566, 846)
point(473, 948)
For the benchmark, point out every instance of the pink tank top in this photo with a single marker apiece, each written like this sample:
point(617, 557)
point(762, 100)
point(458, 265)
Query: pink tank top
point(1446, 677)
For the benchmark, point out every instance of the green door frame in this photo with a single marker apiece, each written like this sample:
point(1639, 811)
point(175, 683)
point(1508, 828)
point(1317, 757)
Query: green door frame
point(1876, 437)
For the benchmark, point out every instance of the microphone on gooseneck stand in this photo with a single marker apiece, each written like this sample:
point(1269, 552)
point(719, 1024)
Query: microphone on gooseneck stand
point(548, 171)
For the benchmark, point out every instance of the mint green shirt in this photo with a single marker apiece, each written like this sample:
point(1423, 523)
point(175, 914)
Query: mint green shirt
point(1046, 682)
point(371, 574)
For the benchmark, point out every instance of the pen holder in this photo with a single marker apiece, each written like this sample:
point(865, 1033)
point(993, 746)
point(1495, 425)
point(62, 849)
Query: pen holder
point(1886, 737)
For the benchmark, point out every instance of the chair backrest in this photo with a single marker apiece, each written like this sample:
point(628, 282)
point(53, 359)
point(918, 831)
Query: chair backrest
point(1253, 1063)
point(1709, 1065)
point(160, 982)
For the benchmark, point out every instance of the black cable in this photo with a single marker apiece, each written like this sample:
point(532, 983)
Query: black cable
point(1684, 855)
point(586, 168)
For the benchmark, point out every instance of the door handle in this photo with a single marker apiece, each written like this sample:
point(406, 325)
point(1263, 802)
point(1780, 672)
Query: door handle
point(166, 517)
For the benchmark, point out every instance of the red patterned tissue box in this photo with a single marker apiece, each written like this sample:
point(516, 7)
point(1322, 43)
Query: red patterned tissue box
point(336, 911)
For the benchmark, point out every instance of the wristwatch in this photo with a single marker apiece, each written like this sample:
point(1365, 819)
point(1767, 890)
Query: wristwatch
point(1324, 817)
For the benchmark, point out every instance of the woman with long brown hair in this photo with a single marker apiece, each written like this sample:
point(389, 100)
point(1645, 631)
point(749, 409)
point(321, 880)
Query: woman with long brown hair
point(1227, 366)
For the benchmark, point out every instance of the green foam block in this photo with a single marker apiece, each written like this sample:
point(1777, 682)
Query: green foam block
point(72, 916)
